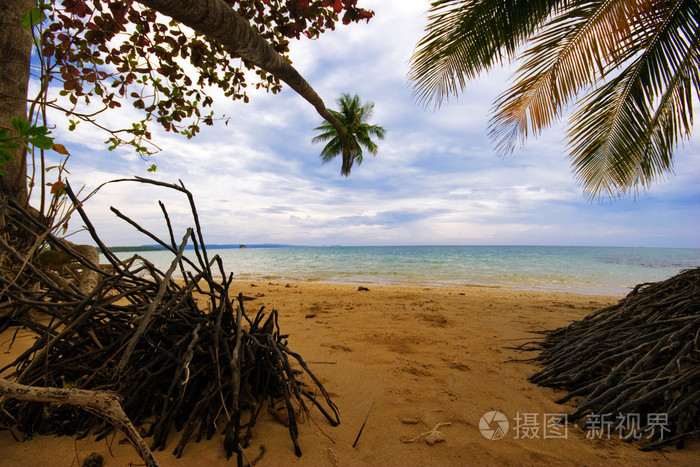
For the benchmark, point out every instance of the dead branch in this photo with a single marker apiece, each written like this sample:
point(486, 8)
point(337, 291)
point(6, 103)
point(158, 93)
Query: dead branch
point(184, 357)
point(104, 404)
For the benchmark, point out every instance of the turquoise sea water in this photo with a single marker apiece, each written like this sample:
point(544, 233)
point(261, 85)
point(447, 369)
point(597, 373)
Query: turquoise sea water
point(596, 270)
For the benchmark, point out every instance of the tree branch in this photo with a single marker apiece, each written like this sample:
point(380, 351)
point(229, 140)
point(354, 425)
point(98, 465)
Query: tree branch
point(105, 404)
point(220, 22)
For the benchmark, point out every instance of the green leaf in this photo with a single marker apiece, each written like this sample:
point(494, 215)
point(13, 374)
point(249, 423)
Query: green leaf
point(4, 133)
point(41, 142)
point(152, 168)
point(37, 131)
point(5, 156)
point(20, 125)
point(33, 17)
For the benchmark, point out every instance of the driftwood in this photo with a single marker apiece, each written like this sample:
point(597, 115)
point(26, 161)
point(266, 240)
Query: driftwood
point(102, 403)
point(182, 356)
point(638, 360)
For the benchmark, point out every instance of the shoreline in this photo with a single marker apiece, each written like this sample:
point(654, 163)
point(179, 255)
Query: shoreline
point(587, 270)
point(577, 290)
point(420, 356)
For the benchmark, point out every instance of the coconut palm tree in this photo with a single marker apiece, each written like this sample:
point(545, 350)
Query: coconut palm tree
point(353, 116)
point(632, 65)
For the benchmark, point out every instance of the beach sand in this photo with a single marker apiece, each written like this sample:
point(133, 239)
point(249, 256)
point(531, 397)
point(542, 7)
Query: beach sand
point(425, 355)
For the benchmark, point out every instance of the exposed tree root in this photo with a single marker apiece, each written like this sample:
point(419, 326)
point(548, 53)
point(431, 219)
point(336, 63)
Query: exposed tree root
point(101, 403)
point(636, 362)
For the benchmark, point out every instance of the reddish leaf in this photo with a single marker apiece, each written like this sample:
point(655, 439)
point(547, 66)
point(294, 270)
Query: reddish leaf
point(61, 149)
point(57, 187)
point(77, 7)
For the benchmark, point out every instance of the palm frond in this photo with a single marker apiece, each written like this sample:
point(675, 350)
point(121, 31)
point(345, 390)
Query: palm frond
point(573, 50)
point(466, 37)
point(323, 136)
point(365, 141)
point(624, 135)
point(331, 150)
point(376, 130)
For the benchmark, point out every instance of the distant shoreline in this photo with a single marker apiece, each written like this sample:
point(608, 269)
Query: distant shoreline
point(122, 249)
point(229, 246)
point(595, 270)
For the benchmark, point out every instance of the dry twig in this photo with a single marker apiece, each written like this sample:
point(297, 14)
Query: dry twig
point(141, 335)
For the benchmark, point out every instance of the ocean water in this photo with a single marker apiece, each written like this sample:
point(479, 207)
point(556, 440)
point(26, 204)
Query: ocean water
point(594, 270)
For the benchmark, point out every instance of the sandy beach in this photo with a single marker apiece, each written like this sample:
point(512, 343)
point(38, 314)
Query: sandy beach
point(419, 357)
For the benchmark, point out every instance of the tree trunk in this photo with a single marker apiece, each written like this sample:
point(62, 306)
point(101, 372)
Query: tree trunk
point(15, 52)
point(218, 21)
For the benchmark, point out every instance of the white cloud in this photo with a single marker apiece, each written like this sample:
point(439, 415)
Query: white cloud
point(435, 180)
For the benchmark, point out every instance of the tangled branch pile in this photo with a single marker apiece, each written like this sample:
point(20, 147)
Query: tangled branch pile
point(640, 356)
point(143, 336)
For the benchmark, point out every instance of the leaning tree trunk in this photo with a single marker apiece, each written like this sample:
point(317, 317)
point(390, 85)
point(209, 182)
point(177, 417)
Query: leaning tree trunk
point(214, 18)
point(15, 52)
point(218, 21)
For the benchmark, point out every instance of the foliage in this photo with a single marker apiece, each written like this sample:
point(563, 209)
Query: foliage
point(636, 62)
point(101, 53)
point(353, 115)
point(26, 135)
point(35, 15)
point(34, 138)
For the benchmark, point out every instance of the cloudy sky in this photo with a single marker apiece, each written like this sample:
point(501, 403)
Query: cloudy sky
point(435, 179)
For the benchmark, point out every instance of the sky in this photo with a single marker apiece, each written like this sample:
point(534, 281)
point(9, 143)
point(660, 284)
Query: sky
point(435, 181)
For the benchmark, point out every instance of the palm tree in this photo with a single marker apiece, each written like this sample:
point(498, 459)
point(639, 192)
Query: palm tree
point(635, 62)
point(353, 118)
